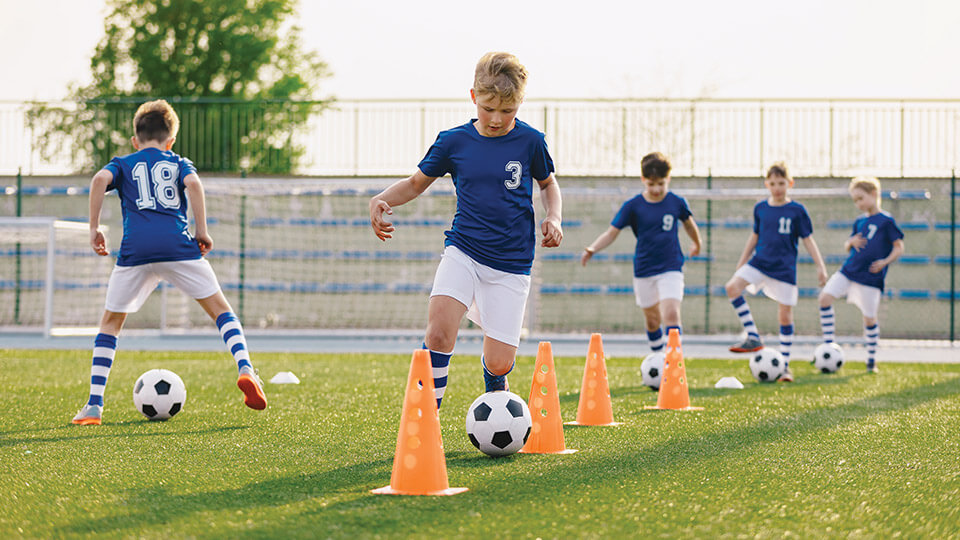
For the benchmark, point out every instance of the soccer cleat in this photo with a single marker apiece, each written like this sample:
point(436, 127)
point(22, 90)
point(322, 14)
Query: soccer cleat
point(249, 382)
point(89, 415)
point(748, 345)
point(787, 376)
point(872, 369)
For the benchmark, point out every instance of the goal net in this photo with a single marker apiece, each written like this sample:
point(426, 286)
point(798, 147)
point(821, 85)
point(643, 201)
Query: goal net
point(51, 279)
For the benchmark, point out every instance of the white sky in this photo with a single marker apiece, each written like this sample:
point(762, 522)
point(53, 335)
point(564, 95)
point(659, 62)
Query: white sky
point(581, 48)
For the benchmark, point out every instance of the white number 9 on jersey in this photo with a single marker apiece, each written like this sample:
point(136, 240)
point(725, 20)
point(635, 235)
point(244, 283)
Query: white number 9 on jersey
point(516, 171)
point(667, 222)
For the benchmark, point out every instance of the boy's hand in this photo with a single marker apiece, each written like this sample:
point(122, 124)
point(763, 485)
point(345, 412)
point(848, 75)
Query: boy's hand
point(694, 250)
point(822, 276)
point(205, 242)
point(857, 242)
point(587, 255)
point(381, 227)
point(552, 232)
point(877, 266)
point(98, 242)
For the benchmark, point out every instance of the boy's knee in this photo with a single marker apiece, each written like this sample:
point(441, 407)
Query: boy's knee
point(732, 289)
point(825, 300)
point(498, 366)
point(439, 339)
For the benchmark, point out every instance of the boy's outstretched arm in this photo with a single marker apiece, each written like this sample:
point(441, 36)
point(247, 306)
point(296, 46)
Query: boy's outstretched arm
point(814, 251)
point(199, 205)
point(748, 250)
point(895, 253)
point(98, 189)
point(553, 204)
point(605, 239)
point(400, 192)
point(694, 233)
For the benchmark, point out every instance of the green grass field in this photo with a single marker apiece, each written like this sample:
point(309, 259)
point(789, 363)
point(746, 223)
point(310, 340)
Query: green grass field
point(847, 455)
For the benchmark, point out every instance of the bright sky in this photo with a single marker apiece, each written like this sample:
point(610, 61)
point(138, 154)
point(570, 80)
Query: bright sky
point(579, 48)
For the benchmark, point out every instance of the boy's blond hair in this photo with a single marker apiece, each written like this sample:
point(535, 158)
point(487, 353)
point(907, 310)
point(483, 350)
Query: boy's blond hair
point(155, 121)
point(502, 75)
point(870, 184)
point(779, 169)
point(655, 166)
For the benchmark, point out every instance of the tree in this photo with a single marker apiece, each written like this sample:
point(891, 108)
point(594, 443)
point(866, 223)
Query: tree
point(233, 69)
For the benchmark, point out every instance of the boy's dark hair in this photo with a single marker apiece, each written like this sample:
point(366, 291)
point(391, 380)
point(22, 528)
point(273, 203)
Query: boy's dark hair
point(155, 121)
point(655, 166)
point(779, 169)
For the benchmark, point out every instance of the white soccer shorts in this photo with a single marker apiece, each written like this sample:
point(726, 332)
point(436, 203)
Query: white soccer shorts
point(650, 290)
point(496, 300)
point(780, 292)
point(865, 297)
point(130, 286)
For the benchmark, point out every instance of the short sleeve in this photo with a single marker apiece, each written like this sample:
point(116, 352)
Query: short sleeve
point(541, 164)
point(894, 231)
point(684, 213)
point(805, 227)
point(436, 162)
point(186, 168)
point(622, 219)
point(114, 168)
point(756, 219)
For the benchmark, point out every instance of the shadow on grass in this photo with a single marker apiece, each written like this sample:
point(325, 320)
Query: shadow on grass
point(93, 432)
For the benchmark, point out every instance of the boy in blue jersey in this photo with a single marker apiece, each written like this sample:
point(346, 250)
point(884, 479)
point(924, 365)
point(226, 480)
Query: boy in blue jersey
point(154, 185)
point(875, 243)
point(778, 223)
point(493, 160)
point(653, 216)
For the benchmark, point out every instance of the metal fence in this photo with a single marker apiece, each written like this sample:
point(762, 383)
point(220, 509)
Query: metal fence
point(593, 138)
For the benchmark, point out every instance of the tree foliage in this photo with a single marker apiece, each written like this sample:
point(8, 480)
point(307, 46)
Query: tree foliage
point(233, 69)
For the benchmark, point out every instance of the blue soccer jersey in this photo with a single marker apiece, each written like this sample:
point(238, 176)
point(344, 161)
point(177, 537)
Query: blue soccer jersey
point(154, 205)
point(881, 231)
point(493, 178)
point(655, 226)
point(778, 228)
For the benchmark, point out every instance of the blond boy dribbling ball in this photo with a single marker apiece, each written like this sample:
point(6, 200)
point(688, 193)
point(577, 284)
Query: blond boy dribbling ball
point(875, 242)
point(494, 161)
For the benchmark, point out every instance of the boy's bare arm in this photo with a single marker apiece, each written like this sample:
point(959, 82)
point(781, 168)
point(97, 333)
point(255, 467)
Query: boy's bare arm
point(605, 239)
point(694, 233)
point(400, 192)
point(814, 251)
point(895, 253)
point(553, 204)
point(748, 249)
point(98, 189)
point(198, 204)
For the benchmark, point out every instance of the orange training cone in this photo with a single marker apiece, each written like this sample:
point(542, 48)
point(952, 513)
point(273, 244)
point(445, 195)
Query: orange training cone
point(595, 408)
point(419, 466)
point(546, 434)
point(673, 385)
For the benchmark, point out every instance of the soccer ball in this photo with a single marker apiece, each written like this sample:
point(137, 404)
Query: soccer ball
point(159, 394)
point(651, 369)
point(498, 423)
point(767, 365)
point(827, 357)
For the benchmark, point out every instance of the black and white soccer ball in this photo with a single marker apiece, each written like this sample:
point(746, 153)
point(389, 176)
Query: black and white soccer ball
point(159, 394)
point(651, 369)
point(827, 357)
point(498, 423)
point(767, 365)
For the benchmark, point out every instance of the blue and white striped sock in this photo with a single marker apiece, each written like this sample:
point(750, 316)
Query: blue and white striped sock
point(786, 342)
point(871, 335)
point(104, 350)
point(667, 333)
point(231, 331)
point(655, 339)
point(827, 323)
point(494, 382)
point(440, 362)
point(746, 318)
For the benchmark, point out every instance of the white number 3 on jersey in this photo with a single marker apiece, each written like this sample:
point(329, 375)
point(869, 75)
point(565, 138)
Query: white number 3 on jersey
point(516, 171)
